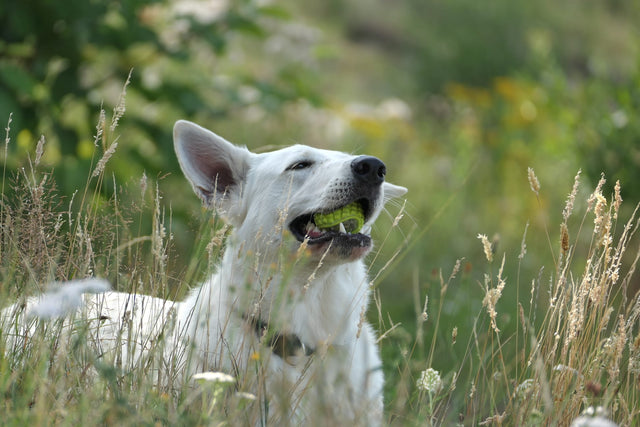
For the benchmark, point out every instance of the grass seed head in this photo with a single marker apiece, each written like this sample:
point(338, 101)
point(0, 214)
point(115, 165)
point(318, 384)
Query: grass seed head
point(103, 161)
point(486, 245)
point(533, 181)
point(39, 149)
point(568, 207)
point(617, 200)
point(564, 237)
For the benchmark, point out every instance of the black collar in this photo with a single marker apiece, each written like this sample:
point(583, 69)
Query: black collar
point(282, 345)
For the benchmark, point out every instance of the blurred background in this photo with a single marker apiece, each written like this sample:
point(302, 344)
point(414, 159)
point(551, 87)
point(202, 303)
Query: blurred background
point(458, 98)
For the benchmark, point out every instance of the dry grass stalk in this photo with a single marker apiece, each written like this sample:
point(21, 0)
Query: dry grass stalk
point(564, 237)
point(533, 181)
point(119, 109)
point(486, 247)
point(492, 295)
point(617, 200)
point(39, 150)
point(103, 161)
point(568, 207)
point(102, 120)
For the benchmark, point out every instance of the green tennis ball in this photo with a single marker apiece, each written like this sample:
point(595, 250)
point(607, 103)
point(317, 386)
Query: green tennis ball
point(351, 216)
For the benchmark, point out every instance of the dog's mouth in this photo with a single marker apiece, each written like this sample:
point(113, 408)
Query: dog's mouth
point(343, 226)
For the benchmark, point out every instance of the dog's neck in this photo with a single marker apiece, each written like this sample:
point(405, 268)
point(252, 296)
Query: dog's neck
point(319, 305)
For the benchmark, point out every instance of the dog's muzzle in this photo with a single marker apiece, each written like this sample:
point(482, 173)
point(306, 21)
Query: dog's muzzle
point(363, 189)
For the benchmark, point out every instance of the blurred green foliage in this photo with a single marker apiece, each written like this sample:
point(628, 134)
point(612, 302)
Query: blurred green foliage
point(61, 62)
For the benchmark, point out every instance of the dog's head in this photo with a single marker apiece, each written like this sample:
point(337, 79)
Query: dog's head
point(327, 200)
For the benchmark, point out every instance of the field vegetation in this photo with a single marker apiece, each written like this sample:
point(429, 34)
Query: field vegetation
point(505, 286)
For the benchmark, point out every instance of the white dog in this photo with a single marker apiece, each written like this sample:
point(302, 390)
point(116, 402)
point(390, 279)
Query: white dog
point(291, 290)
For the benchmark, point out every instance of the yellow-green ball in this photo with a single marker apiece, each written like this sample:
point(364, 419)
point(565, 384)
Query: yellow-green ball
point(351, 216)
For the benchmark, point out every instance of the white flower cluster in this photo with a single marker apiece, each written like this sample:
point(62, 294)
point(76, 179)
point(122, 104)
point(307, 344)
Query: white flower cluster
point(429, 381)
point(593, 417)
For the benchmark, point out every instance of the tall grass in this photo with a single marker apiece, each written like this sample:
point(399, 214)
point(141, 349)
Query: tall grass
point(576, 346)
point(49, 376)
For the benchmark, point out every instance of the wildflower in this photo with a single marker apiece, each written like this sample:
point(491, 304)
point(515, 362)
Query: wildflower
point(215, 383)
point(429, 381)
point(214, 377)
point(593, 417)
point(526, 389)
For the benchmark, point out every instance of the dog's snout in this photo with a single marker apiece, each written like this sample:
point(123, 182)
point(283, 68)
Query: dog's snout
point(369, 169)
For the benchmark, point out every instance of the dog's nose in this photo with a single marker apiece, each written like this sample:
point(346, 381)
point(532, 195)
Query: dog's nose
point(369, 169)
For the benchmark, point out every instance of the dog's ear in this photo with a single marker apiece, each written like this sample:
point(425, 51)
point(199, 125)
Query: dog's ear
point(215, 167)
point(392, 191)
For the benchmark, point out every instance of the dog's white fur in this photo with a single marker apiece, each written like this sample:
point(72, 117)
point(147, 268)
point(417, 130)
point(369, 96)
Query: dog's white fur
point(315, 292)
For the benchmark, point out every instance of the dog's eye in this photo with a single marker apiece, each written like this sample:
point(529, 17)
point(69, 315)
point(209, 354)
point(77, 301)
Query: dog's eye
point(303, 164)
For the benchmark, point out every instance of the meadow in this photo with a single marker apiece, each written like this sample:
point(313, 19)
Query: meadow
point(505, 285)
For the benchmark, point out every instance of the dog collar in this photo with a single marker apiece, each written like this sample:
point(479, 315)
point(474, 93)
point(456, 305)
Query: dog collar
point(281, 344)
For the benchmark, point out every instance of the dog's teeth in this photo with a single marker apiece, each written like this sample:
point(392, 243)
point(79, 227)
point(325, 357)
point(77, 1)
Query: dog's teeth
point(312, 228)
point(342, 229)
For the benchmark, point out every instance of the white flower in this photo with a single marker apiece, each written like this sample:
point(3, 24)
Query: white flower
point(526, 389)
point(593, 417)
point(597, 421)
point(429, 381)
point(214, 377)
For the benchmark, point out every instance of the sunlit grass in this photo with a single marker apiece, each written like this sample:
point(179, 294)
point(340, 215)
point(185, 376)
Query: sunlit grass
point(575, 349)
point(575, 346)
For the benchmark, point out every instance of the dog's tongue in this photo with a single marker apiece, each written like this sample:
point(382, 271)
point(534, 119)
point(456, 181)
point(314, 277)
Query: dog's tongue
point(351, 217)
